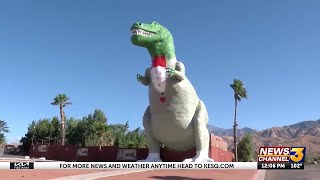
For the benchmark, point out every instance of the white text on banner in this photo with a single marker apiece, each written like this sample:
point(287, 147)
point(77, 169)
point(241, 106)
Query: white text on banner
point(127, 165)
point(144, 165)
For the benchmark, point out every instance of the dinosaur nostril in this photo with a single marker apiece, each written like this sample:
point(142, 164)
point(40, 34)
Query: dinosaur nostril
point(139, 23)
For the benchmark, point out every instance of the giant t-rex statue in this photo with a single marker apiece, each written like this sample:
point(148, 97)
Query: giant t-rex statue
point(176, 117)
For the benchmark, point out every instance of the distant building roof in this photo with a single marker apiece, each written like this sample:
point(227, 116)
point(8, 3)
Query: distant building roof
point(13, 144)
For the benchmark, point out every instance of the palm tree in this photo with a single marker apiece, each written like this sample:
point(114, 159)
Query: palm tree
point(61, 100)
point(4, 127)
point(103, 133)
point(239, 93)
point(2, 141)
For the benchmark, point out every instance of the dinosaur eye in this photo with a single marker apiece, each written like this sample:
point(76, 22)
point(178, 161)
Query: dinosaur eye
point(154, 23)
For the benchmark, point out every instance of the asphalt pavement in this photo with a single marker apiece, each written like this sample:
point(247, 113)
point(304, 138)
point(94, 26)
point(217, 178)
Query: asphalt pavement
point(310, 172)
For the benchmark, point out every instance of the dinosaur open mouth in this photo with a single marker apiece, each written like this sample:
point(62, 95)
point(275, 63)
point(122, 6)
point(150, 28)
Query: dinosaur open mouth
point(141, 32)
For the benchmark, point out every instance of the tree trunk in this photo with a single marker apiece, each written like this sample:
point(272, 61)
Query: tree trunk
point(101, 141)
point(235, 131)
point(62, 125)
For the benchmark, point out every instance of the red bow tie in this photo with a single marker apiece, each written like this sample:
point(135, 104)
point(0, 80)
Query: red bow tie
point(159, 61)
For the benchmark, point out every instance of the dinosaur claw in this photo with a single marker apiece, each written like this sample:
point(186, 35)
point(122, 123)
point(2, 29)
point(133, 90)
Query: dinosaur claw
point(170, 71)
point(139, 77)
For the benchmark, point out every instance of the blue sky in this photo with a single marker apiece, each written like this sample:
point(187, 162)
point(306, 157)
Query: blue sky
point(83, 49)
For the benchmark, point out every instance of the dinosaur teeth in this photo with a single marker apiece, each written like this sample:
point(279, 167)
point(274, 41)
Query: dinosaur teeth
point(141, 32)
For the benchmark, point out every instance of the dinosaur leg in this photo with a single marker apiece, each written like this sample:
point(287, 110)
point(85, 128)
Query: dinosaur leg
point(201, 135)
point(153, 144)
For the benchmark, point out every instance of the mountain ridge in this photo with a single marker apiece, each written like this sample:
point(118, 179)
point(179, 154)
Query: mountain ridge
point(305, 133)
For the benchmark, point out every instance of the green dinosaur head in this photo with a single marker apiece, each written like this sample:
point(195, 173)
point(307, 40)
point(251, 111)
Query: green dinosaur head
point(153, 36)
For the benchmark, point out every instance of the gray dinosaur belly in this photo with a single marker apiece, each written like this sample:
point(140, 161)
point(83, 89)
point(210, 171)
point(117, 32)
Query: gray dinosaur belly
point(171, 120)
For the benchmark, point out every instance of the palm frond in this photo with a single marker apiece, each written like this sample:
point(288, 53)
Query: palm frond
point(61, 99)
point(239, 89)
point(4, 127)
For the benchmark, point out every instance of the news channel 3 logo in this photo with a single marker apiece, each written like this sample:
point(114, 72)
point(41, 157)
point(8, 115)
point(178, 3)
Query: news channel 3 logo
point(21, 165)
point(297, 154)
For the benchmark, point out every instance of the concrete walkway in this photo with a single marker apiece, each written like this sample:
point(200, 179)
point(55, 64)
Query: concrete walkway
point(93, 176)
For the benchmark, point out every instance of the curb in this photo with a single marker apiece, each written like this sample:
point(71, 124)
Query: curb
point(260, 175)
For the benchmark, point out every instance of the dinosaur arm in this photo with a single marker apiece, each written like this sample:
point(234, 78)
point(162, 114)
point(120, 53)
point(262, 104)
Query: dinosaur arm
point(180, 71)
point(144, 79)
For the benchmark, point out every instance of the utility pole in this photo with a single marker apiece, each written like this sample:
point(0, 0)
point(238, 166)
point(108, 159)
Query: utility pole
point(311, 155)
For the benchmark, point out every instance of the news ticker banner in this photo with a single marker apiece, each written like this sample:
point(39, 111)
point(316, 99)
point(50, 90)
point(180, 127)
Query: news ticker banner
point(147, 165)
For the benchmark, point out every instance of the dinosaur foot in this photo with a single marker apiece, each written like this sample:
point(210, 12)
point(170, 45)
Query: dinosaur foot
point(152, 157)
point(202, 156)
point(199, 159)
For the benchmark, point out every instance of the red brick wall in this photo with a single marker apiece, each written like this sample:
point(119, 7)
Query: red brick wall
point(174, 156)
point(218, 152)
point(218, 142)
point(219, 155)
point(109, 154)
